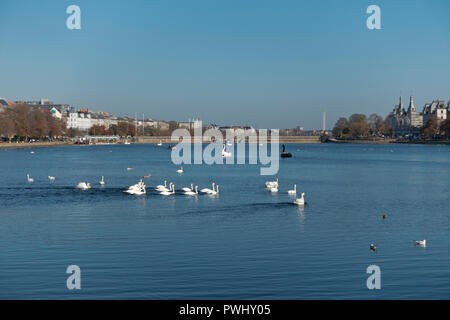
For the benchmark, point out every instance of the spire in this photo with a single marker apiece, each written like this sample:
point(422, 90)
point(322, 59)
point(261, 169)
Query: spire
point(411, 104)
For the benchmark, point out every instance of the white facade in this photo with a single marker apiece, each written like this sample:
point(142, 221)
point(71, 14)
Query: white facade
point(55, 113)
point(79, 120)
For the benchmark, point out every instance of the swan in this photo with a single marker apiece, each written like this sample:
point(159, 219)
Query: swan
point(192, 193)
point(274, 189)
point(32, 152)
point(102, 182)
point(270, 184)
point(293, 191)
point(51, 178)
point(300, 201)
point(421, 243)
point(180, 170)
point(207, 190)
point(30, 180)
point(168, 193)
point(84, 185)
point(185, 189)
point(160, 143)
point(137, 189)
point(225, 154)
point(161, 187)
point(214, 192)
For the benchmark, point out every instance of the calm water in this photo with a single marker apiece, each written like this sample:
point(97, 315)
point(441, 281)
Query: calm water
point(245, 243)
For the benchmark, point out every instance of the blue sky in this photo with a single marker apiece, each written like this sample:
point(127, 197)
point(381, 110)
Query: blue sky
point(271, 64)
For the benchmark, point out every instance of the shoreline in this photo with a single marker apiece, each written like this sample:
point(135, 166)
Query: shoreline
point(166, 140)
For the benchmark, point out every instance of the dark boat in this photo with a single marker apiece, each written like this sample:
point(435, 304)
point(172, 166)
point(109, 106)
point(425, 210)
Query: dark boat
point(285, 154)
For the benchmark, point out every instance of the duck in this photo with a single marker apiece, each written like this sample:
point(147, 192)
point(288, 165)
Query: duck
point(294, 191)
point(192, 193)
point(421, 243)
point(168, 193)
point(180, 170)
point(186, 189)
point(373, 247)
point(29, 179)
point(384, 216)
point(147, 176)
point(102, 182)
point(84, 185)
point(51, 178)
point(129, 169)
point(300, 201)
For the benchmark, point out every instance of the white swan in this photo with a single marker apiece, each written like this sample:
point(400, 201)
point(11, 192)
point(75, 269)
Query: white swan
point(214, 192)
point(161, 187)
point(51, 178)
point(207, 190)
point(84, 185)
point(137, 189)
point(300, 201)
point(160, 143)
point(168, 193)
point(225, 154)
point(30, 180)
point(102, 182)
point(421, 243)
point(192, 193)
point(180, 170)
point(185, 189)
point(293, 191)
point(274, 189)
point(271, 184)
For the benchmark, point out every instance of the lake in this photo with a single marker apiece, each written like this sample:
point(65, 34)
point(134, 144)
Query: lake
point(245, 243)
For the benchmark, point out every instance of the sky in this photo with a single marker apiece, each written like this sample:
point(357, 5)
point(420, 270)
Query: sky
point(270, 64)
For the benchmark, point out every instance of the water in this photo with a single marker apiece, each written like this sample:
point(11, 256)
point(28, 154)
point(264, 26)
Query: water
point(244, 243)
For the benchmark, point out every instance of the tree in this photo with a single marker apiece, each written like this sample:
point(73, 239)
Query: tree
point(431, 128)
point(445, 127)
point(7, 128)
point(376, 124)
point(358, 126)
point(340, 126)
point(386, 129)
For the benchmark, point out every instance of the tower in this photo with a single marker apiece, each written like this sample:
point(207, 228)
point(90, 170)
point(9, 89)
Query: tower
point(411, 104)
point(324, 117)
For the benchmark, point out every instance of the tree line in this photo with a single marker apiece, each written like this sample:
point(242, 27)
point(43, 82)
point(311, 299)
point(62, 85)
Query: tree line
point(436, 128)
point(360, 126)
point(25, 122)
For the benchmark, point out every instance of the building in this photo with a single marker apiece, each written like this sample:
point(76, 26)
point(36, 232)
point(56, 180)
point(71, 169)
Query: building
point(79, 120)
point(410, 122)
